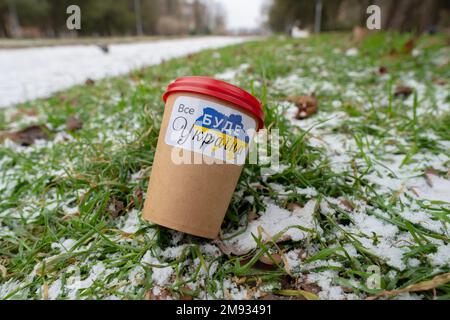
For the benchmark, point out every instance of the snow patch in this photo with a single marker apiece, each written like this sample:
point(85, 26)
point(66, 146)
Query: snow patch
point(273, 221)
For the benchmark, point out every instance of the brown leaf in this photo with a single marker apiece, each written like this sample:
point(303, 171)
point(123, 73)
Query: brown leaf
point(115, 208)
point(287, 282)
point(73, 124)
point(292, 206)
point(266, 259)
point(346, 203)
point(260, 187)
point(403, 92)
point(408, 47)
point(307, 105)
point(383, 70)
point(89, 82)
point(440, 82)
point(421, 286)
point(163, 294)
point(348, 289)
point(29, 135)
point(310, 287)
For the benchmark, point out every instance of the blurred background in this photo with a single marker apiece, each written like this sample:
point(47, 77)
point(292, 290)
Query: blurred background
point(47, 18)
point(40, 55)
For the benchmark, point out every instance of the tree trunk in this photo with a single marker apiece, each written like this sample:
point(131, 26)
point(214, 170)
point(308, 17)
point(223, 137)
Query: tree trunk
point(428, 15)
point(411, 15)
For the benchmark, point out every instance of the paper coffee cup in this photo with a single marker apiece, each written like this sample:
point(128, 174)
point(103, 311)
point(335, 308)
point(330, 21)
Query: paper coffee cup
point(206, 131)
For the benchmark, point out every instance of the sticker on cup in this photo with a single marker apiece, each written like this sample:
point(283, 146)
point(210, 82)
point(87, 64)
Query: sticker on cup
point(211, 129)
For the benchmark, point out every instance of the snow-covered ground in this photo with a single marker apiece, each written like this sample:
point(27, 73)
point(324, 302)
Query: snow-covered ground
point(27, 74)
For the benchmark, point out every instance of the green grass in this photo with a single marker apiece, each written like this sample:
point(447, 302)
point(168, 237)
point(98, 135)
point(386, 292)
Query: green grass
point(92, 168)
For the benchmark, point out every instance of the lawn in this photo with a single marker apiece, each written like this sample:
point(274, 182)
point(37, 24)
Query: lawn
point(358, 209)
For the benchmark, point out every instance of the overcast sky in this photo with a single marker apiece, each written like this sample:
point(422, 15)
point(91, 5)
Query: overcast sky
point(243, 13)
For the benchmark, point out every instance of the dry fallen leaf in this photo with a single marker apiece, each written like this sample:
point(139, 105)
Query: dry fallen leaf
point(310, 287)
point(440, 82)
point(382, 70)
point(268, 261)
point(408, 47)
point(307, 105)
point(115, 208)
point(292, 206)
point(89, 82)
point(347, 204)
point(403, 92)
point(73, 124)
point(421, 286)
point(161, 294)
point(27, 136)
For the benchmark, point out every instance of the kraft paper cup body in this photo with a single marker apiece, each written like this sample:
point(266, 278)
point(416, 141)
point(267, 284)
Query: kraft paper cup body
point(192, 198)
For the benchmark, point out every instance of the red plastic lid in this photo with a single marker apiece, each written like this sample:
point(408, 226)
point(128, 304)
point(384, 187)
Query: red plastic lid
point(220, 90)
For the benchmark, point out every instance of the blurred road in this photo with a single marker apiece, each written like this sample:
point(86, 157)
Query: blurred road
point(27, 74)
